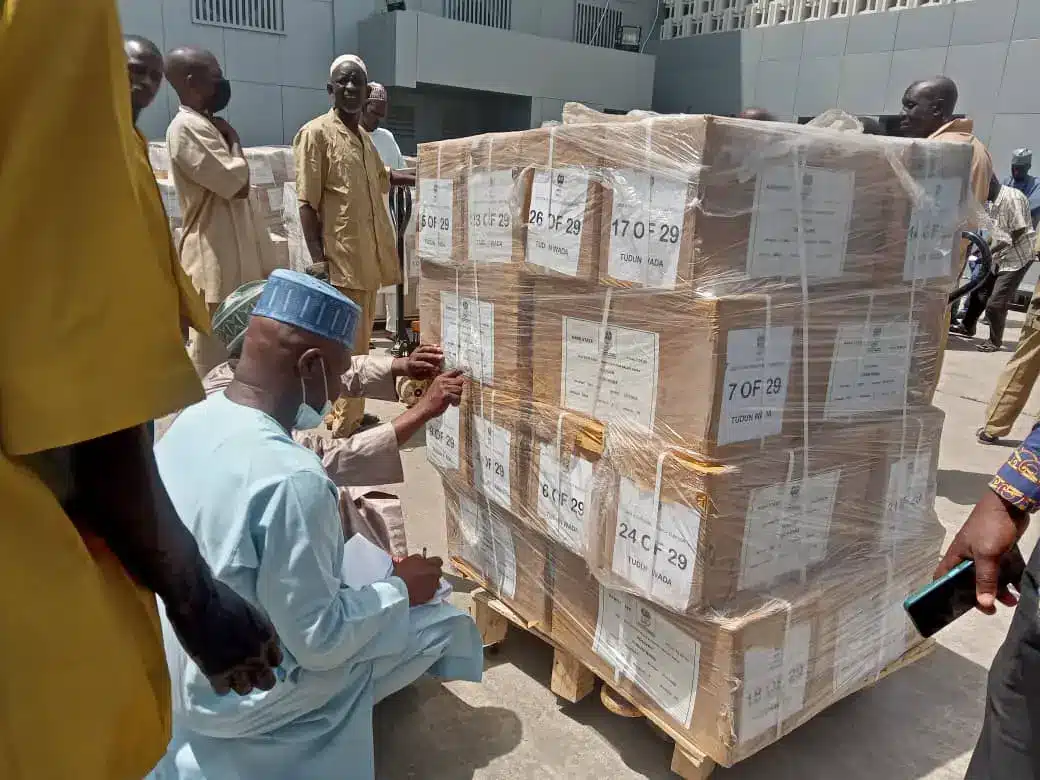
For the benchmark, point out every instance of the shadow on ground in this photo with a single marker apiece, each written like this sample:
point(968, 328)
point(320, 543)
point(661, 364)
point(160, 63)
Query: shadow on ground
point(962, 487)
point(425, 731)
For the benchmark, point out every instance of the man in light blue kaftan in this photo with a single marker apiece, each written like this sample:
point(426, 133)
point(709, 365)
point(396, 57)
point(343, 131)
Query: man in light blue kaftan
point(266, 518)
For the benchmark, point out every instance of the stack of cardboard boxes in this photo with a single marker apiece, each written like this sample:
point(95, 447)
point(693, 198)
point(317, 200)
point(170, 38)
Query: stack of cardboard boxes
point(697, 447)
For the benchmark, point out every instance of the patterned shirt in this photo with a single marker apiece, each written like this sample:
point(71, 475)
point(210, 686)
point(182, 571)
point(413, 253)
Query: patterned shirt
point(1018, 480)
point(1010, 213)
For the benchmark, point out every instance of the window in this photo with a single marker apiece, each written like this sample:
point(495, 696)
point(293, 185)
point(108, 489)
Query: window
point(258, 15)
point(489, 13)
point(595, 25)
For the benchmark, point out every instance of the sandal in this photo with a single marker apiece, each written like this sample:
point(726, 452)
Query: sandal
point(986, 438)
point(987, 346)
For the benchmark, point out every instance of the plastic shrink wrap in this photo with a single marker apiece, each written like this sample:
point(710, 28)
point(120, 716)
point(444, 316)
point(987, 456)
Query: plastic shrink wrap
point(697, 447)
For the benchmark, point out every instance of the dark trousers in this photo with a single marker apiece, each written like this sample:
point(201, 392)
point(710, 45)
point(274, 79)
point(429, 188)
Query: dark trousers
point(1009, 746)
point(994, 297)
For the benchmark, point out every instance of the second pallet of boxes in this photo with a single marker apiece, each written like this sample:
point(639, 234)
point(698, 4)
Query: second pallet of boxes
point(697, 449)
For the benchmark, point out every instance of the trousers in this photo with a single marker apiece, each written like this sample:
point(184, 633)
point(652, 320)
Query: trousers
point(1017, 380)
point(1009, 746)
point(994, 298)
point(347, 411)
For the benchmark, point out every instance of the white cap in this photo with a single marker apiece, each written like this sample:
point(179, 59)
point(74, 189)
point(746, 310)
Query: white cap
point(345, 58)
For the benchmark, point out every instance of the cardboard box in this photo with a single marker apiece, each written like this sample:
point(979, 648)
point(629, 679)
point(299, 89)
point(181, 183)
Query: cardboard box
point(496, 200)
point(722, 376)
point(482, 319)
point(734, 683)
point(563, 200)
point(270, 169)
point(441, 201)
point(564, 450)
point(449, 443)
point(280, 245)
point(510, 559)
point(711, 203)
point(501, 438)
point(684, 534)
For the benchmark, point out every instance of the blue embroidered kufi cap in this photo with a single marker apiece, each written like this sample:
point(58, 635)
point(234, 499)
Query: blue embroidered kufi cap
point(309, 304)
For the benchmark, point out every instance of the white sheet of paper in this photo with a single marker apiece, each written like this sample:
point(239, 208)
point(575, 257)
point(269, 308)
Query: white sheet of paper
point(364, 563)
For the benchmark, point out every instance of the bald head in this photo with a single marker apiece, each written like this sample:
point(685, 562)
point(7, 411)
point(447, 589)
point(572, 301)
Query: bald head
point(144, 64)
point(927, 106)
point(196, 76)
point(758, 114)
point(283, 366)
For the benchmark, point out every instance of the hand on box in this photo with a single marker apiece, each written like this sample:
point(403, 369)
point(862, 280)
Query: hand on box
point(424, 363)
point(422, 577)
point(444, 391)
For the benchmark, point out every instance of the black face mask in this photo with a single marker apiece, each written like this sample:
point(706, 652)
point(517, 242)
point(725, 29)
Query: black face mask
point(221, 96)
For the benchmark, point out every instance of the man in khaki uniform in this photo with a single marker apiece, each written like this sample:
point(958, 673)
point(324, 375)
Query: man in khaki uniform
point(224, 243)
point(342, 185)
point(1019, 376)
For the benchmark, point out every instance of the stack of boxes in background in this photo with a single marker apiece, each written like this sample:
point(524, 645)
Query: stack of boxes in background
point(697, 448)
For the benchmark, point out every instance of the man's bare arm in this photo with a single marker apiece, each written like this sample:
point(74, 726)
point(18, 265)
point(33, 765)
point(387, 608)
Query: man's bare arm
point(311, 225)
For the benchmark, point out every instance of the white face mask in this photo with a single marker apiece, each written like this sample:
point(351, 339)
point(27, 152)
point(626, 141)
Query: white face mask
point(307, 417)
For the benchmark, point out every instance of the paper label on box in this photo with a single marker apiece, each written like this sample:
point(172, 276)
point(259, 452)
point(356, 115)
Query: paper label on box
point(260, 171)
point(563, 496)
point(556, 217)
point(646, 228)
point(490, 200)
point(754, 391)
point(435, 219)
point(781, 229)
point(656, 545)
point(610, 373)
point(869, 369)
point(933, 240)
point(489, 545)
point(907, 496)
point(786, 528)
point(274, 199)
point(468, 336)
point(856, 647)
point(642, 645)
point(491, 460)
point(442, 440)
point(774, 683)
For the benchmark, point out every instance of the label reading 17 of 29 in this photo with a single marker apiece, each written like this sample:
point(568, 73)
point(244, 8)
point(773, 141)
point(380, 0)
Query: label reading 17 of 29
point(668, 234)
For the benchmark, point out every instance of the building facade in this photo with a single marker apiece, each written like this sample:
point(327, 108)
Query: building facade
point(863, 61)
point(454, 67)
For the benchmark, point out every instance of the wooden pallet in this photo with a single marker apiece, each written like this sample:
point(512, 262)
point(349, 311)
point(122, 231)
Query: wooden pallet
point(572, 681)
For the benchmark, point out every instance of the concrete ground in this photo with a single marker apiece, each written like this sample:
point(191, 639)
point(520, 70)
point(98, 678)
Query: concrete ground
point(919, 723)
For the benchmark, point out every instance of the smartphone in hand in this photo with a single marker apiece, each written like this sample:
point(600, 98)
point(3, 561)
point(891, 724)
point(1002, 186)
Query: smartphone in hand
point(939, 603)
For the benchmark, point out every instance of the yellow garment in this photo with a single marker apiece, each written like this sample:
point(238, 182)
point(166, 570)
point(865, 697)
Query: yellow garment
point(224, 244)
point(963, 130)
point(193, 308)
point(1019, 375)
point(342, 177)
point(85, 693)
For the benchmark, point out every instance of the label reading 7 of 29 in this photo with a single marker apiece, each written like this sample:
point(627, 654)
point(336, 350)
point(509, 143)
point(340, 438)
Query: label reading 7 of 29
point(554, 221)
point(758, 367)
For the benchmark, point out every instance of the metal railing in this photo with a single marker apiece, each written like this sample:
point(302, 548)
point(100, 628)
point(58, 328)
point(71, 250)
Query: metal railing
point(255, 15)
point(489, 13)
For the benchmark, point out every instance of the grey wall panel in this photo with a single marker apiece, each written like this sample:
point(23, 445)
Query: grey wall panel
point(916, 30)
point(256, 112)
point(143, 17)
point(776, 85)
point(872, 33)
point(977, 69)
point(783, 42)
point(308, 47)
point(179, 30)
point(252, 56)
point(300, 106)
point(348, 14)
point(864, 81)
point(1018, 91)
point(1010, 132)
point(692, 73)
point(1027, 20)
point(908, 66)
point(983, 21)
point(818, 82)
point(825, 38)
